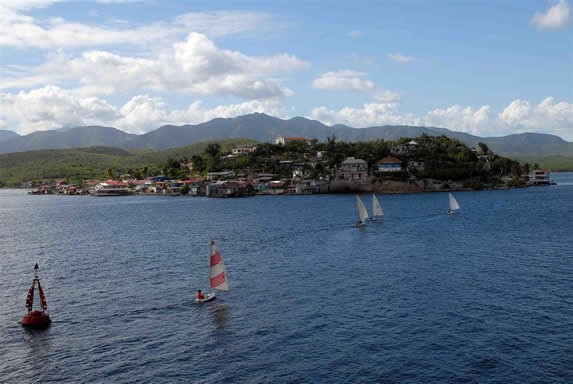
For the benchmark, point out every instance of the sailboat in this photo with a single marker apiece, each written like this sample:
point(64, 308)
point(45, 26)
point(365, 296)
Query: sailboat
point(376, 208)
point(454, 206)
point(217, 276)
point(38, 318)
point(362, 212)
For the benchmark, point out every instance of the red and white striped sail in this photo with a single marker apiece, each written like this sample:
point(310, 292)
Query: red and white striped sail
point(218, 274)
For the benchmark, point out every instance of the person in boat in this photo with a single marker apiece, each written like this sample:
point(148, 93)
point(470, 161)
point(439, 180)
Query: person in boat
point(450, 211)
point(200, 295)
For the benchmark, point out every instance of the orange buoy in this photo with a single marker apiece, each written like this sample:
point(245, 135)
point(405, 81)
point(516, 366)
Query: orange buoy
point(38, 318)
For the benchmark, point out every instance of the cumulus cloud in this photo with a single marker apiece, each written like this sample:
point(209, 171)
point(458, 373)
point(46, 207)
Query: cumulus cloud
point(519, 116)
point(370, 114)
point(53, 107)
point(348, 80)
point(464, 119)
point(555, 17)
point(547, 116)
point(195, 65)
point(343, 80)
point(398, 57)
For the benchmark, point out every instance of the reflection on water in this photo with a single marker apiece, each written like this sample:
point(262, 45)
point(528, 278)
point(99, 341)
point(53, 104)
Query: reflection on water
point(220, 313)
point(39, 348)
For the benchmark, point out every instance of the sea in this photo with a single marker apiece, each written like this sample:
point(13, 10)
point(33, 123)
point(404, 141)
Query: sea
point(418, 296)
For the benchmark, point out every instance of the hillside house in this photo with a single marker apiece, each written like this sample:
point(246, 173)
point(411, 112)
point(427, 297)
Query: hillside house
point(353, 169)
point(416, 165)
point(243, 150)
point(389, 164)
point(282, 140)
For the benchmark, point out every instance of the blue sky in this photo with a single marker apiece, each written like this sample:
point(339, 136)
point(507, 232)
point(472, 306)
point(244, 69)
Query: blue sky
point(488, 68)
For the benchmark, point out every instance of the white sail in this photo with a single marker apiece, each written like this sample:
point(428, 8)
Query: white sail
point(218, 273)
point(376, 207)
point(453, 202)
point(362, 212)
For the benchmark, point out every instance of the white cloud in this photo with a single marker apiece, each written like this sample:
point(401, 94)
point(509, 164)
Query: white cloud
point(556, 16)
point(518, 117)
point(370, 114)
point(545, 117)
point(195, 66)
point(398, 57)
point(348, 80)
point(20, 30)
point(343, 80)
point(52, 107)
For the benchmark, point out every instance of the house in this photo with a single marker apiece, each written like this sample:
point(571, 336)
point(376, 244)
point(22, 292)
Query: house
point(220, 175)
point(353, 169)
point(242, 150)
point(282, 140)
point(416, 165)
point(540, 177)
point(404, 149)
point(275, 187)
point(389, 164)
point(230, 188)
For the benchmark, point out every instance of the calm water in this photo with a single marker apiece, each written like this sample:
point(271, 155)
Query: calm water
point(422, 297)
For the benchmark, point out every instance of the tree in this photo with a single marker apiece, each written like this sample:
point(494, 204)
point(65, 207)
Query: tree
point(108, 173)
point(483, 147)
point(213, 150)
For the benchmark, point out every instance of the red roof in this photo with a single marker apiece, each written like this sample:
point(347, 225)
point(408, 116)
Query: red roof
point(390, 159)
point(296, 139)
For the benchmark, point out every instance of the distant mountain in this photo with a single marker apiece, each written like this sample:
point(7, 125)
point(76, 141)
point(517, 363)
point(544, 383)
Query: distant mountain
point(80, 137)
point(261, 127)
point(7, 135)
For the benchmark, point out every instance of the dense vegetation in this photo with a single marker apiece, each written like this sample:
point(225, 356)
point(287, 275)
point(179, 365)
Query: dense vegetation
point(445, 158)
point(94, 162)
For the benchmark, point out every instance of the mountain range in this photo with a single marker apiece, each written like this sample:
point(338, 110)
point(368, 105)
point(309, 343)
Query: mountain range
point(261, 127)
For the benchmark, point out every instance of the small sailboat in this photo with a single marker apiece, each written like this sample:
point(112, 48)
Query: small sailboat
point(217, 276)
point(376, 208)
point(362, 212)
point(454, 206)
point(38, 318)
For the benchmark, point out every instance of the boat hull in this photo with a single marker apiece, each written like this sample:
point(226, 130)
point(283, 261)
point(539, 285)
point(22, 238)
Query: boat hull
point(36, 319)
point(206, 297)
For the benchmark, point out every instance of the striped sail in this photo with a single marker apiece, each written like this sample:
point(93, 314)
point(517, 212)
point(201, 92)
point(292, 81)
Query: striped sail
point(453, 202)
point(376, 208)
point(218, 274)
point(362, 212)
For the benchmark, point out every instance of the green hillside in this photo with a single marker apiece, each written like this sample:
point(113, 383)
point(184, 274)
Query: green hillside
point(554, 163)
point(93, 162)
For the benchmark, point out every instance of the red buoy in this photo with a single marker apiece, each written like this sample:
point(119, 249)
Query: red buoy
point(38, 318)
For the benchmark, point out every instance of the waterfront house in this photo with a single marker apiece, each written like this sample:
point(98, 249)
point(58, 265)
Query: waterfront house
point(353, 169)
point(220, 175)
point(230, 188)
point(276, 187)
point(540, 177)
point(389, 164)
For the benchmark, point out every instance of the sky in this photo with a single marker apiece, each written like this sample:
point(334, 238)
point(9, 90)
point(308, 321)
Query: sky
point(488, 68)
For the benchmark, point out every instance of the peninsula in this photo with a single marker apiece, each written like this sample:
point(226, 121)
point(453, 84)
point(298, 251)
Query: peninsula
point(298, 165)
